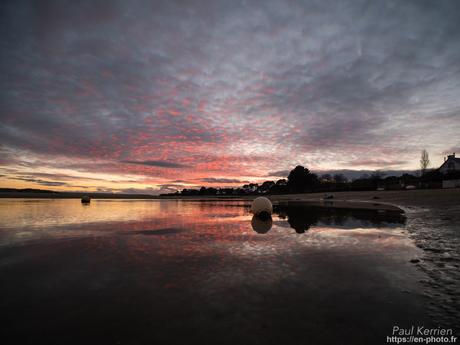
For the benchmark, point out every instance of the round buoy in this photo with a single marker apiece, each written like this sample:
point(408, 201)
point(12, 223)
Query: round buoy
point(85, 199)
point(262, 207)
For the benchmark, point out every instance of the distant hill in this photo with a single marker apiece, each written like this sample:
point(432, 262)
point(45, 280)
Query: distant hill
point(43, 193)
point(354, 174)
point(25, 190)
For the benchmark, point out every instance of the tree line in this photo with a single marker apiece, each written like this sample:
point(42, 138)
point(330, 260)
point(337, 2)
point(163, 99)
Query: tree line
point(302, 180)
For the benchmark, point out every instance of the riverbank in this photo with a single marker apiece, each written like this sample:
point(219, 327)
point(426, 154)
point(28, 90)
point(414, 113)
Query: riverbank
point(385, 200)
point(433, 198)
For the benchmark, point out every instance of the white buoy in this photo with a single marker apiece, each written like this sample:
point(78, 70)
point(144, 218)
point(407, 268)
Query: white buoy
point(262, 205)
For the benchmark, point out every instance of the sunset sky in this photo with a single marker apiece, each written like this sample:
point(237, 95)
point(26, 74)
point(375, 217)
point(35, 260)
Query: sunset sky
point(151, 96)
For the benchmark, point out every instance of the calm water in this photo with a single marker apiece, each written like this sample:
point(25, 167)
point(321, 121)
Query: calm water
point(149, 271)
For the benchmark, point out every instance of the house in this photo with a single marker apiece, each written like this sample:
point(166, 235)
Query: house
point(451, 163)
point(451, 184)
point(250, 188)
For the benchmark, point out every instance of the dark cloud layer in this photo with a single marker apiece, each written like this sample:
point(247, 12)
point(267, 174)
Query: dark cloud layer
point(160, 164)
point(231, 89)
point(279, 173)
point(221, 180)
point(41, 182)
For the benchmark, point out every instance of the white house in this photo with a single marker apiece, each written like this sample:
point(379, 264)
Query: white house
point(450, 164)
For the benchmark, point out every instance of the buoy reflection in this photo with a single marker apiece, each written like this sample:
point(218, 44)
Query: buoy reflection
point(261, 225)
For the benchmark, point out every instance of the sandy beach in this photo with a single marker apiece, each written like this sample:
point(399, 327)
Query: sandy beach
point(432, 198)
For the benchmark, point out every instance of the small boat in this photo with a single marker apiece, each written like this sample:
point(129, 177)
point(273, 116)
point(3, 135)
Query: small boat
point(85, 199)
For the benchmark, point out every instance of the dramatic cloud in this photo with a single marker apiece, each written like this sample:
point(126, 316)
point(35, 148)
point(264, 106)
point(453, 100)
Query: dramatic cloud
point(107, 92)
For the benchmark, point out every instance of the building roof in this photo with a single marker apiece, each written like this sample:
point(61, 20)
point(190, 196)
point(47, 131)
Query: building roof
point(452, 157)
point(449, 159)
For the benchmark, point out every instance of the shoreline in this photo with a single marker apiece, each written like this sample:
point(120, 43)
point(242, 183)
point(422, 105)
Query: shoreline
point(400, 200)
point(369, 200)
point(431, 198)
point(404, 198)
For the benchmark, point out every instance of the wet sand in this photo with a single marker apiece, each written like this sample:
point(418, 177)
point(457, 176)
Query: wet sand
point(102, 291)
point(433, 222)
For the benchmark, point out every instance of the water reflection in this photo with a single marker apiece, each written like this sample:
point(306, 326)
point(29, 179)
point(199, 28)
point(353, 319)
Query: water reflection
point(166, 231)
point(301, 218)
point(25, 220)
point(260, 225)
point(171, 271)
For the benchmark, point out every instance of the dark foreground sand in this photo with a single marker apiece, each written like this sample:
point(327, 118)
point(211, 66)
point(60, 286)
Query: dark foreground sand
point(433, 222)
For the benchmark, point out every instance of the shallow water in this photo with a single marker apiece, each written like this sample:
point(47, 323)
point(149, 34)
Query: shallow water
point(145, 271)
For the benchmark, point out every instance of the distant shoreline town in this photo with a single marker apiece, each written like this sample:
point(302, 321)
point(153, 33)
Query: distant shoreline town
point(299, 180)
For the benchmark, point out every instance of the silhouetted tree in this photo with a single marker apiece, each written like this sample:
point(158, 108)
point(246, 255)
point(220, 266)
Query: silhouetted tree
point(424, 162)
point(190, 192)
point(301, 180)
point(280, 187)
point(266, 186)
